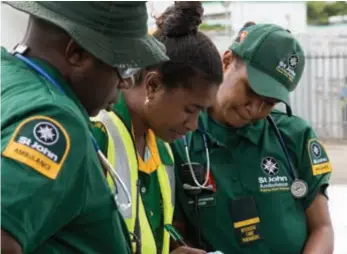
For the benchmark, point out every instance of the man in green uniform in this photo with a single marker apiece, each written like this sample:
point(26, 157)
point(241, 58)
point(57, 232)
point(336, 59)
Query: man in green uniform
point(54, 195)
point(252, 204)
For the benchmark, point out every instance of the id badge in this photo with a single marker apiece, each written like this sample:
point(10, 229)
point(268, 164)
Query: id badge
point(246, 221)
point(204, 201)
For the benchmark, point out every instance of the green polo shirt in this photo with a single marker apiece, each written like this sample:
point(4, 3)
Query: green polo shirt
point(54, 197)
point(249, 162)
point(150, 188)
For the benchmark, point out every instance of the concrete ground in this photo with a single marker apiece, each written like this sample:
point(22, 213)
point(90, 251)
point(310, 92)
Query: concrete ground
point(338, 157)
point(338, 194)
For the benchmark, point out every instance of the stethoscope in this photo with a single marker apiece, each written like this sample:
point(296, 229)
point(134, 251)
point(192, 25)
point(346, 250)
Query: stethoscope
point(198, 186)
point(18, 52)
point(298, 187)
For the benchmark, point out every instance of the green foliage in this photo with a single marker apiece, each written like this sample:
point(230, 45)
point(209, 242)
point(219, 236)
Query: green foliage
point(207, 27)
point(319, 12)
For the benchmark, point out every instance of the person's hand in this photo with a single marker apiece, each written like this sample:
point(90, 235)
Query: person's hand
point(187, 250)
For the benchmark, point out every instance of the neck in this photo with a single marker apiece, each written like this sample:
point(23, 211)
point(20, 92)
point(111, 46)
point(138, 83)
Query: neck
point(45, 42)
point(139, 122)
point(217, 115)
point(139, 125)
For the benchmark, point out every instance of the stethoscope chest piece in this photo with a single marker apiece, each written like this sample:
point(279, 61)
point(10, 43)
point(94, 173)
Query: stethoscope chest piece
point(299, 188)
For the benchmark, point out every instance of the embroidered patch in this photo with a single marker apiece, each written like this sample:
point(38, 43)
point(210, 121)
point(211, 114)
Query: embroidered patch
point(287, 67)
point(319, 158)
point(273, 179)
point(41, 143)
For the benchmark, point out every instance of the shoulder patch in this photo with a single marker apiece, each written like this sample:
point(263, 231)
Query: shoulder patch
point(319, 159)
point(41, 143)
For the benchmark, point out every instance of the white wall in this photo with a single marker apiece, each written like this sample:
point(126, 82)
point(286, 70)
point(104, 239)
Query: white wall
point(13, 26)
point(291, 15)
point(14, 23)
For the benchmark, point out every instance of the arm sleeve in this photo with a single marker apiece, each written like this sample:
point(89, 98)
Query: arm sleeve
point(42, 175)
point(315, 167)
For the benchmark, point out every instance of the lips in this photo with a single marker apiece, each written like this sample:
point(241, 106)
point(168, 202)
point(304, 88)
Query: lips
point(243, 117)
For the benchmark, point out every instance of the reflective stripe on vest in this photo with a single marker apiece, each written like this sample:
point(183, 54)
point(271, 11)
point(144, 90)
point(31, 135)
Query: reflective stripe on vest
point(123, 157)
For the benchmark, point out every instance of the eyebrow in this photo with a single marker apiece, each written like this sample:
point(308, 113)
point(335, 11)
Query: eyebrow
point(271, 100)
point(199, 106)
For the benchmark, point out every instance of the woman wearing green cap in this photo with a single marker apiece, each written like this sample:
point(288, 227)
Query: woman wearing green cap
point(163, 105)
point(254, 179)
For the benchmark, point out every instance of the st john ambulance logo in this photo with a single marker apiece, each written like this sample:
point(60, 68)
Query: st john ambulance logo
point(293, 61)
point(270, 166)
point(316, 151)
point(287, 67)
point(46, 133)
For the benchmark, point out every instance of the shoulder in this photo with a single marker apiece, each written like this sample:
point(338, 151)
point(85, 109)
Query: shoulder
point(296, 132)
point(292, 126)
point(20, 85)
point(282, 119)
point(301, 140)
point(44, 139)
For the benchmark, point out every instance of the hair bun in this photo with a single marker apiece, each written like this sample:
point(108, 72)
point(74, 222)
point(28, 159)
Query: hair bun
point(247, 24)
point(181, 19)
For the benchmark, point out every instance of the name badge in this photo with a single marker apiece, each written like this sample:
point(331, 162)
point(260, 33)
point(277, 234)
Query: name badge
point(204, 201)
point(246, 222)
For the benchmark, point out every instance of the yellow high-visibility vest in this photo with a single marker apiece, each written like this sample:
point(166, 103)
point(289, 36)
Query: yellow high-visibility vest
point(121, 153)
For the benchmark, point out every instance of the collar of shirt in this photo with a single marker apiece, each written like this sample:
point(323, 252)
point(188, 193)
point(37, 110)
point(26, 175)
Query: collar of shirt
point(55, 74)
point(152, 162)
point(225, 136)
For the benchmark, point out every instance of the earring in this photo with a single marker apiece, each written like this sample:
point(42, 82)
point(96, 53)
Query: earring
point(146, 100)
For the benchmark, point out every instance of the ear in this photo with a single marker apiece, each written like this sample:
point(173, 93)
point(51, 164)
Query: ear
point(226, 59)
point(152, 82)
point(77, 56)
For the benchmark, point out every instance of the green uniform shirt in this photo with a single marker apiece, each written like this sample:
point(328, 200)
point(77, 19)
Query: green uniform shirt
point(54, 198)
point(150, 188)
point(152, 201)
point(249, 162)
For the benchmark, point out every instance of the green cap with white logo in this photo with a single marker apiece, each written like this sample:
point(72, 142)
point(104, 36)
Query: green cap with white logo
point(275, 60)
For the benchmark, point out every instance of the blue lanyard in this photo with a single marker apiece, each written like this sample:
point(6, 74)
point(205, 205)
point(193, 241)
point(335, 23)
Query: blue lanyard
point(44, 74)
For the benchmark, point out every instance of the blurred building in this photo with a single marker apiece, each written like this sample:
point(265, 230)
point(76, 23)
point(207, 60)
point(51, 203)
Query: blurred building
point(13, 26)
point(320, 97)
point(291, 15)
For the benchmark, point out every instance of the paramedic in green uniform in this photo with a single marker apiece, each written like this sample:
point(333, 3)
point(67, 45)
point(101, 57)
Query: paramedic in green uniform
point(54, 198)
point(163, 105)
point(251, 206)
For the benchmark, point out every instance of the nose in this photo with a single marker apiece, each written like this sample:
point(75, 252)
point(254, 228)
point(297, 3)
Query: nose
point(192, 123)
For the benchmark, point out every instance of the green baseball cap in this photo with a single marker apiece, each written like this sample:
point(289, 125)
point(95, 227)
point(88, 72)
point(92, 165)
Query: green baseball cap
point(114, 32)
point(274, 59)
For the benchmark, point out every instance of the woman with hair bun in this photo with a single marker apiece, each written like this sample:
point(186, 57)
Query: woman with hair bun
point(163, 105)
